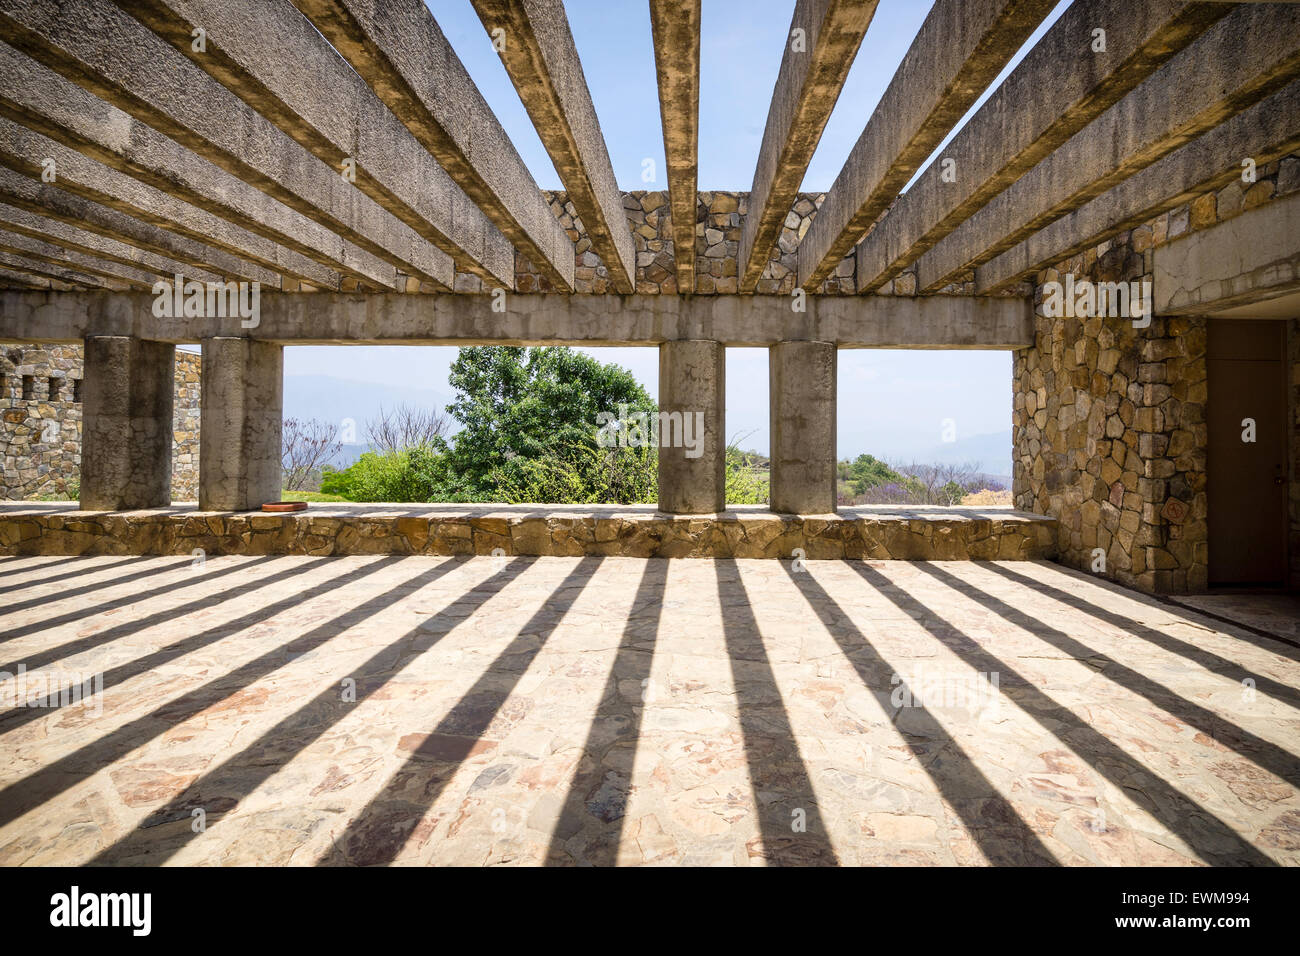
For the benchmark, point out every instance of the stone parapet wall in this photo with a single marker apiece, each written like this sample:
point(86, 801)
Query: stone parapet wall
point(1110, 421)
point(40, 434)
point(956, 534)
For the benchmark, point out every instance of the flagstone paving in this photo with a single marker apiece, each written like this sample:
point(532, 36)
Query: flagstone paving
point(377, 710)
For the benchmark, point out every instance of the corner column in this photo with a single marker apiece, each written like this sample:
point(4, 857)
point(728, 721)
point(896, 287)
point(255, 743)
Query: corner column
point(240, 424)
point(802, 395)
point(692, 433)
point(126, 429)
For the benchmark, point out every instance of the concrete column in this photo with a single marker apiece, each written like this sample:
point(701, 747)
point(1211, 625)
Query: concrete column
point(802, 376)
point(240, 424)
point(126, 428)
point(692, 434)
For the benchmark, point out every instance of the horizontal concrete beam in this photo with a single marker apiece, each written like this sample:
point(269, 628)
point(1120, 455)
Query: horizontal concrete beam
point(336, 117)
point(1249, 258)
point(539, 54)
point(675, 25)
point(1061, 85)
point(931, 322)
point(1266, 132)
point(813, 70)
point(114, 56)
point(45, 251)
point(26, 265)
point(397, 48)
point(959, 50)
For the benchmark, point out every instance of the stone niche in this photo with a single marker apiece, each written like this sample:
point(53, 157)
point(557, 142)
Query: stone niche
point(40, 422)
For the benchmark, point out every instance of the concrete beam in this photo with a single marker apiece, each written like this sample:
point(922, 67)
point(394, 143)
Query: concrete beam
point(399, 50)
point(10, 279)
point(241, 412)
point(542, 60)
point(43, 251)
point(46, 103)
point(336, 117)
point(959, 50)
point(93, 244)
point(1058, 88)
point(813, 70)
point(1243, 58)
point(693, 396)
point(126, 431)
point(802, 397)
point(675, 25)
point(48, 270)
point(938, 322)
point(98, 197)
point(109, 53)
point(1246, 259)
point(1266, 132)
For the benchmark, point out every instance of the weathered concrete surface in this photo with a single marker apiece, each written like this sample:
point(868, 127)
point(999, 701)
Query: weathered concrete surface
point(1265, 132)
point(397, 47)
point(1246, 259)
point(960, 48)
point(813, 69)
point(114, 56)
point(33, 248)
point(1057, 89)
point(802, 423)
point(126, 430)
point(17, 280)
point(738, 320)
point(1237, 62)
point(239, 435)
point(97, 245)
point(693, 387)
point(542, 60)
point(746, 531)
point(95, 197)
point(36, 267)
point(330, 111)
point(675, 25)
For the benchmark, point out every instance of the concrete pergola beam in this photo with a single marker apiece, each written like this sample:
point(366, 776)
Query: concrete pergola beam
point(43, 251)
point(27, 265)
point(114, 56)
point(1266, 132)
point(959, 50)
point(93, 244)
point(398, 49)
point(9, 279)
point(1058, 88)
point(675, 25)
point(814, 67)
point(1249, 258)
point(930, 322)
point(135, 169)
point(336, 117)
point(1241, 59)
point(539, 54)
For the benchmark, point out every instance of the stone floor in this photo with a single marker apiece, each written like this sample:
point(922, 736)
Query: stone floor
point(374, 710)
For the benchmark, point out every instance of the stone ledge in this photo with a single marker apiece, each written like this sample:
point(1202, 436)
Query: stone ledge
point(550, 530)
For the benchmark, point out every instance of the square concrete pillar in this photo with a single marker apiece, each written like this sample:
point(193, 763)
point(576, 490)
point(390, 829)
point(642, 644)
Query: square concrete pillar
point(802, 376)
point(692, 433)
point(240, 424)
point(126, 427)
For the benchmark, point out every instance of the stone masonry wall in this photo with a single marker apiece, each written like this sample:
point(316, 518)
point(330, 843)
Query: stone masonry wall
point(40, 422)
point(1109, 421)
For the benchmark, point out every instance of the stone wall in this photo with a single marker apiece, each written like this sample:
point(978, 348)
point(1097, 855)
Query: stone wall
point(40, 422)
point(1293, 341)
point(1109, 421)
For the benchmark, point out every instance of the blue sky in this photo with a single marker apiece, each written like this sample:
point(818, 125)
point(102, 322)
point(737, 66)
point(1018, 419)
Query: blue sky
point(894, 404)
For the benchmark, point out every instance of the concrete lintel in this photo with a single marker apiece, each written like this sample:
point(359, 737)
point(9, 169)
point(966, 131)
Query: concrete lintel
point(397, 47)
point(930, 322)
point(1049, 97)
point(959, 50)
point(1249, 258)
point(675, 25)
point(1240, 60)
point(542, 60)
point(814, 67)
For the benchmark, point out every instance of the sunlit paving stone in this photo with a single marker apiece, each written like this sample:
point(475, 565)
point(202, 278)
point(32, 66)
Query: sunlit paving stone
point(602, 711)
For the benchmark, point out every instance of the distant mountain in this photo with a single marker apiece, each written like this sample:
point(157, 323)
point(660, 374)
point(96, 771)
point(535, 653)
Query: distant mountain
point(992, 451)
